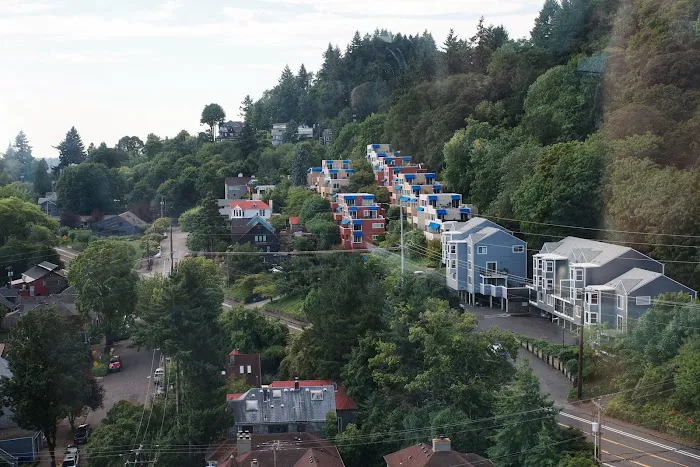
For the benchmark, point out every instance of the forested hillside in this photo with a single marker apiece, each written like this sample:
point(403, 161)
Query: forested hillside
point(593, 121)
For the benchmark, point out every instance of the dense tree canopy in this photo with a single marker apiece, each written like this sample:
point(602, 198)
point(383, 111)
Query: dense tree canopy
point(51, 375)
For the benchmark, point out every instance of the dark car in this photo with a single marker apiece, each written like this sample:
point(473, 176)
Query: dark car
point(115, 363)
point(82, 433)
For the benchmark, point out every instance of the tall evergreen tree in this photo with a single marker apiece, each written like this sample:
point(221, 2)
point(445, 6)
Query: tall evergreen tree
point(454, 53)
point(41, 177)
point(24, 156)
point(542, 31)
point(71, 150)
point(300, 162)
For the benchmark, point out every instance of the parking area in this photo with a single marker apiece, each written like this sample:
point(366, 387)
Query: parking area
point(530, 325)
point(130, 384)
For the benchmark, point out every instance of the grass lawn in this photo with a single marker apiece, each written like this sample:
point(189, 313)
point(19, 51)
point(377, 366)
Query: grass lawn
point(290, 306)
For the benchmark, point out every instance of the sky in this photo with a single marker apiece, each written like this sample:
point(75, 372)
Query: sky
point(127, 67)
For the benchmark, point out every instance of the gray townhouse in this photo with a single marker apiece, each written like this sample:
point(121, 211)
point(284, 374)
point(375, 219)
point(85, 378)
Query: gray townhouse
point(483, 260)
point(576, 275)
point(628, 296)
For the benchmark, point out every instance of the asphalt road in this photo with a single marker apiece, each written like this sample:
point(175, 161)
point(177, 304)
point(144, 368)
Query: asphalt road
point(622, 444)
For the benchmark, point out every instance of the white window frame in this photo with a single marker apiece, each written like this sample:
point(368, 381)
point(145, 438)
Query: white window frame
point(453, 264)
point(249, 369)
point(469, 280)
point(492, 262)
point(591, 296)
point(539, 264)
point(642, 301)
point(619, 302)
point(620, 322)
point(549, 284)
point(357, 239)
point(375, 237)
point(482, 250)
point(242, 370)
point(578, 271)
point(591, 316)
point(550, 300)
point(377, 225)
point(549, 266)
point(518, 248)
point(469, 265)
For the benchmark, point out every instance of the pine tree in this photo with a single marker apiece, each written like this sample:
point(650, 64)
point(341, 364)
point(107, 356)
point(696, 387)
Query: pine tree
point(41, 177)
point(71, 150)
point(300, 162)
point(24, 156)
point(542, 31)
point(454, 53)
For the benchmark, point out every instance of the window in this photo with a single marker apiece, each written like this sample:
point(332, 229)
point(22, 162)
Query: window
point(593, 318)
point(453, 249)
point(375, 237)
point(620, 301)
point(592, 298)
point(250, 369)
point(453, 264)
point(481, 250)
point(242, 370)
point(549, 285)
point(539, 263)
point(620, 322)
point(377, 225)
point(518, 248)
point(491, 266)
point(365, 213)
point(540, 281)
point(251, 406)
point(642, 301)
point(549, 266)
point(579, 294)
point(578, 274)
point(469, 250)
point(356, 239)
point(262, 213)
point(316, 395)
point(549, 300)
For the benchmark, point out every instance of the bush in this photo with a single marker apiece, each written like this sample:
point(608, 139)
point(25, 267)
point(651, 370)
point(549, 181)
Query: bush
point(99, 369)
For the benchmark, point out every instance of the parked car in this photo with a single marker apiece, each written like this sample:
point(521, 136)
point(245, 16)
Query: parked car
point(72, 456)
point(158, 375)
point(82, 434)
point(115, 363)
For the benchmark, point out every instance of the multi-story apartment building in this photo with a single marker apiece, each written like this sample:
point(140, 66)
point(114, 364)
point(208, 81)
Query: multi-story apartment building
point(431, 210)
point(360, 219)
point(410, 185)
point(577, 276)
point(314, 177)
point(336, 176)
point(482, 259)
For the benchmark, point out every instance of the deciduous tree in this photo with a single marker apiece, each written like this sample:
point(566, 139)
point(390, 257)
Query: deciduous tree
point(212, 115)
point(105, 280)
point(51, 374)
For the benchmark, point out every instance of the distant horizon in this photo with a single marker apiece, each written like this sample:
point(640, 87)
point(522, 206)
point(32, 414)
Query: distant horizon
point(124, 70)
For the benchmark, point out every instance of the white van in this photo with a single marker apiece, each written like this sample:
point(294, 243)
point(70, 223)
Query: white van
point(158, 375)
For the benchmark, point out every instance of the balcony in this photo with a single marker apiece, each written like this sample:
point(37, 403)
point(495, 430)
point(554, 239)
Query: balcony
point(497, 291)
point(503, 274)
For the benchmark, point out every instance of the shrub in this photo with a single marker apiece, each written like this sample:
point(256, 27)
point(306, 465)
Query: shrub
point(99, 369)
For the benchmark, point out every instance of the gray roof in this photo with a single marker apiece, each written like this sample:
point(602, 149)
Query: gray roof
point(635, 279)
point(64, 304)
point(133, 219)
point(483, 233)
point(40, 270)
point(285, 405)
point(581, 250)
point(471, 224)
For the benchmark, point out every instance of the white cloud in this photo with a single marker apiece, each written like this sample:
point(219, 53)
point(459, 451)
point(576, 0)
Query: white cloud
point(26, 7)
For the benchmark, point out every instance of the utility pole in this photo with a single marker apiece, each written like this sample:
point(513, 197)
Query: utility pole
point(579, 376)
point(597, 435)
point(402, 250)
point(172, 263)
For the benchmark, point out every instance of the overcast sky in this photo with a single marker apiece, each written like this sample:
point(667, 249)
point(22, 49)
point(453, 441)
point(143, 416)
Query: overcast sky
point(132, 67)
